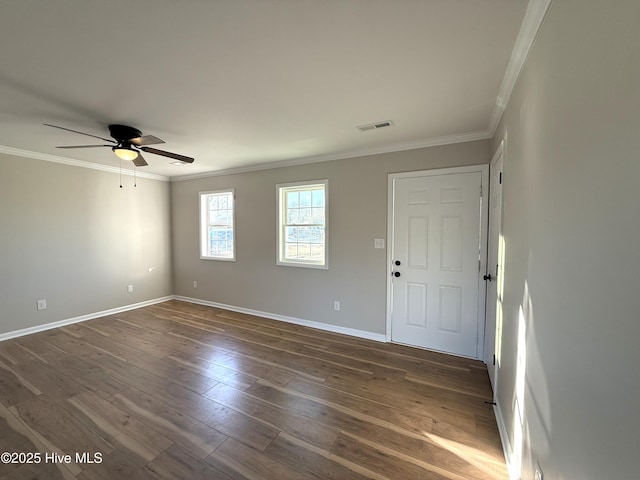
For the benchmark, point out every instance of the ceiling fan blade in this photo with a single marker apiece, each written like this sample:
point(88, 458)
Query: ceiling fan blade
point(146, 140)
point(81, 133)
point(175, 156)
point(83, 146)
point(139, 161)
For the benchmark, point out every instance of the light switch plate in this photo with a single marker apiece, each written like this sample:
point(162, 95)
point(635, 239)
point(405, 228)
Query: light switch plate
point(378, 243)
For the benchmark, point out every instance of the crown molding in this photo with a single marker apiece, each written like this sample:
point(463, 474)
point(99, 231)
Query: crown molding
point(18, 152)
point(533, 19)
point(396, 147)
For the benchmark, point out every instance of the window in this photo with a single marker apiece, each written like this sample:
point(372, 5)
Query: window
point(302, 224)
point(217, 239)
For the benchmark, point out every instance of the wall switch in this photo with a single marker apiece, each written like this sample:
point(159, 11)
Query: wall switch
point(378, 243)
point(336, 305)
point(538, 475)
point(195, 284)
point(130, 288)
point(41, 304)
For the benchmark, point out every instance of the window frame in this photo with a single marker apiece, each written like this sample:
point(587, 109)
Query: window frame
point(281, 189)
point(204, 224)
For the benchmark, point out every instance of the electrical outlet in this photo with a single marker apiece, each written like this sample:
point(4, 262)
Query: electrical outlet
point(41, 304)
point(130, 288)
point(538, 475)
point(336, 305)
point(195, 284)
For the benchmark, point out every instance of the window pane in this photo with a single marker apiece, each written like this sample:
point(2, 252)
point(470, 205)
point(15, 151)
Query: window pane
point(304, 234)
point(293, 216)
point(305, 217)
point(304, 251)
point(221, 217)
point(291, 251)
point(317, 252)
point(317, 235)
point(305, 198)
point(291, 234)
point(317, 198)
point(318, 216)
point(293, 199)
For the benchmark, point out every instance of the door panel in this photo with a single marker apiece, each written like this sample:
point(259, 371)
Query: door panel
point(436, 238)
point(450, 309)
point(451, 243)
point(416, 304)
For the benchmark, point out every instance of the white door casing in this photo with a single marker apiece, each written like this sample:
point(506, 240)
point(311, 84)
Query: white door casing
point(494, 267)
point(437, 232)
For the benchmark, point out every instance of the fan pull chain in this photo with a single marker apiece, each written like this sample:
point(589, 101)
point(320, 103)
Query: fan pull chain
point(135, 183)
point(120, 173)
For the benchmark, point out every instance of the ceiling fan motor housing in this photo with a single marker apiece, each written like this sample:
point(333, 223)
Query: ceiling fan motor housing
point(124, 133)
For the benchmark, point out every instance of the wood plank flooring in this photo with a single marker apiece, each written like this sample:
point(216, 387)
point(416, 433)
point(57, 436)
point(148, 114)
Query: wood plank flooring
point(182, 391)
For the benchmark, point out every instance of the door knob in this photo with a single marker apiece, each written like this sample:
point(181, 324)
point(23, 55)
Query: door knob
point(488, 277)
point(396, 274)
point(397, 262)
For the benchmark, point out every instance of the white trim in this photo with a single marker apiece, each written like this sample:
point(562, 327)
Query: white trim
point(506, 444)
point(78, 163)
point(397, 147)
point(81, 318)
point(491, 362)
point(484, 239)
point(352, 332)
point(483, 169)
point(533, 19)
point(377, 337)
point(442, 171)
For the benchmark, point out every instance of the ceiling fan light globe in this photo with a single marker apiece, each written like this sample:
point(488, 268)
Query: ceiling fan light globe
point(125, 153)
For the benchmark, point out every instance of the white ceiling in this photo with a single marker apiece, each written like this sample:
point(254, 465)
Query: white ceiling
point(239, 83)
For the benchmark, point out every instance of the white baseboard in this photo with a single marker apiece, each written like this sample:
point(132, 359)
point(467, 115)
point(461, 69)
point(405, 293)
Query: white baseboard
point(81, 318)
point(378, 337)
point(514, 474)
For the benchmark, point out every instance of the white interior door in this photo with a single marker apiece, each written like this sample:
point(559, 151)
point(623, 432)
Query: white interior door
point(494, 269)
point(435, 253)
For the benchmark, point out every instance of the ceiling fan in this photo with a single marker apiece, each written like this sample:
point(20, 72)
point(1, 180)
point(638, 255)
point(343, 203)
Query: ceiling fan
point(127, 144)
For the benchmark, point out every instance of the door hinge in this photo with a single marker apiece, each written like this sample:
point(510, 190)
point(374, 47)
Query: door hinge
point(500, 180)
point(480, 190)
point(494, 358)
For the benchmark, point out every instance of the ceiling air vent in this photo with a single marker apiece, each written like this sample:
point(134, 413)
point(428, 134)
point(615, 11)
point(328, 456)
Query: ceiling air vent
point(374, 126)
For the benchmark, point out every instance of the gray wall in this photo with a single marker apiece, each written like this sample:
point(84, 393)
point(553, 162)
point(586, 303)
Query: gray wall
point(71, 236)
point(572, 232)
point(357, 214)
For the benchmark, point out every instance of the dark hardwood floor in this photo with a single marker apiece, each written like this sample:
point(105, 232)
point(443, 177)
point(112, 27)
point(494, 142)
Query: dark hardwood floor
point(183, 391)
